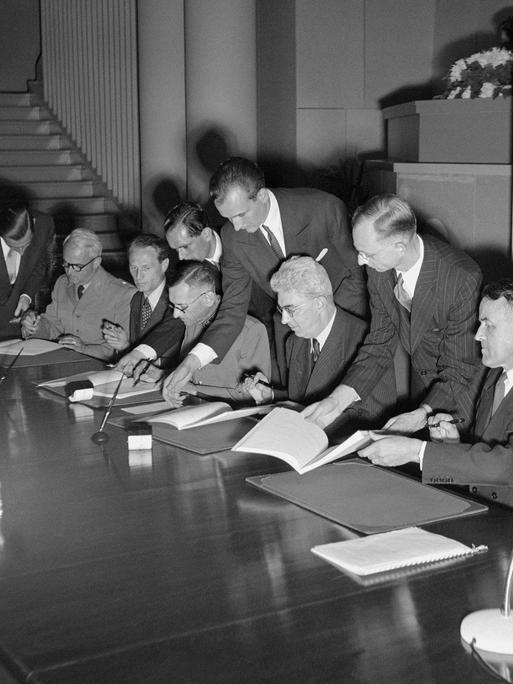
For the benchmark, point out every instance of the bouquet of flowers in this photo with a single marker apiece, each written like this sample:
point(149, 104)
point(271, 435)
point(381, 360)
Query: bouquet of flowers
point(485, 74)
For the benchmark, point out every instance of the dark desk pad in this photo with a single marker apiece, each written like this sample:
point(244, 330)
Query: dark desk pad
point(366, 498)
point(102, 402)
point(63, 355)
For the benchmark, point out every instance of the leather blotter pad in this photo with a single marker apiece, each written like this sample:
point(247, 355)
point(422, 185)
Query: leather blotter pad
point(366, 498)
point(206, 439)
point(51, 358)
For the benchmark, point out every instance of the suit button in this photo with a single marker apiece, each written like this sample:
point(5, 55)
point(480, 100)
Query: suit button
point(423, 372)
point(474, 490)
point(494, 495)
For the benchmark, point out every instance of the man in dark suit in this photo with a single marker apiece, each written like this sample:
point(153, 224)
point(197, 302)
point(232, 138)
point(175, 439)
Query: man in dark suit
point(488, 459)
point(423, 296)
point(148, 259)
point(188, 233)
point(262, 228)
point(27, 241)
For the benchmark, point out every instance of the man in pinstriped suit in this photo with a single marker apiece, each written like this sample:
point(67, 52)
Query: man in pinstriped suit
point(423, 295)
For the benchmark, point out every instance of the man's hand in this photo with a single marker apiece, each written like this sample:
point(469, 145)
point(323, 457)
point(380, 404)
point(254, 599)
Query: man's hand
point(29, 323)
point(72, 342)
point(22, 306)
point(407, 423)
point(391, 450)
point(115, 336)
point(145, 372)
point(128, 362)
point(252, 384)
point(445, 431)
point(175, 382)
point(326, 411)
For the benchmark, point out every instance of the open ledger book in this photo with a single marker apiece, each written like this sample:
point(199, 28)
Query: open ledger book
point(393, 550)
point(105, 382)
point(303, 445)
point(204, 414)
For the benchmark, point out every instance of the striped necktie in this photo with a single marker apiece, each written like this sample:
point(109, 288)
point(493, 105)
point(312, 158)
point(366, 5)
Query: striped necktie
point(273, 241)
point(316, 349)
point(80, 291)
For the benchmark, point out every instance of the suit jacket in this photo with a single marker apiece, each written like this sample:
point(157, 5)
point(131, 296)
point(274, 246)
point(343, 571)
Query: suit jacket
point(163, 329)
point(312, 221)
point(106, 297)
point(488, 462)
point(443, 351)
point(32, 274)
point(249, 352)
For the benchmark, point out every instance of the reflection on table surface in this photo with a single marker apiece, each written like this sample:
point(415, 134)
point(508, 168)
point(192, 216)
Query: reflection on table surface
point(167, 567)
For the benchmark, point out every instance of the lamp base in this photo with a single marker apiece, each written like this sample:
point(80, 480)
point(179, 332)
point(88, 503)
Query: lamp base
point(492, 631)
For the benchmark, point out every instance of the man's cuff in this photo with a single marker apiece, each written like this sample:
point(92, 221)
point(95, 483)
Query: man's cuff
point(27, 296)
point(421, 454)
point(203, 353)
point(146, 351)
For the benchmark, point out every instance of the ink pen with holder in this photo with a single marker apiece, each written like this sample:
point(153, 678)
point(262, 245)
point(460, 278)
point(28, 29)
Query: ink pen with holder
point(452, 421)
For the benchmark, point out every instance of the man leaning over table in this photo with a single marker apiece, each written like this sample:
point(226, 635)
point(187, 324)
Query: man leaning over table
point(82, 299)
point(423, 296)
point(487, 460)
point(148, 261)
point(263, 227)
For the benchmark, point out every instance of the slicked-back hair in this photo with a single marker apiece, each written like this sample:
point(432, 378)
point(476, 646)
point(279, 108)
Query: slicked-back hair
point(498, 289)
point(150, 240)
point(14, 222)
point(389, 215)
point(236, 172)
point(304, 275)
point(201, 274)
point(85, 239)
point(190, 214)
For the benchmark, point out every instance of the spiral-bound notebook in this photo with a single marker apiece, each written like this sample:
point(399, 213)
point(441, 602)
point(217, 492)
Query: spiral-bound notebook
point(393, 550)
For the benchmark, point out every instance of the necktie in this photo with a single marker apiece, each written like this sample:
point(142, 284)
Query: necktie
point(11, 262)
point(499, 392)
point(80, 291)
point(275, 245)
point(401, 295)
point(145, 313)
point(316, 349)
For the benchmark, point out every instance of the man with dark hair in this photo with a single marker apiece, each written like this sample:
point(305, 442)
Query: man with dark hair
point(148, 260)
point(423, 296)
point(194, 295)
point(26, 255)
point(82, 299)
point(263, 227)
point(488, 459)
point(188, 233)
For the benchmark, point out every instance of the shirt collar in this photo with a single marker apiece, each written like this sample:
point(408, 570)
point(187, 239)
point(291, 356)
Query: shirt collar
point(155, 295)
point(323, 335)
point(411, 276)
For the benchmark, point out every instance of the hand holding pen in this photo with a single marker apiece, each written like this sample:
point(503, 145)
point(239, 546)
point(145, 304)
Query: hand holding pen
point(442, 428)
point(259, 387)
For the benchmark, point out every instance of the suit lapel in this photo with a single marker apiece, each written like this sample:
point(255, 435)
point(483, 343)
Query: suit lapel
point(135, 316)
point(298, 370)
point(385, 283)
point(159, 310)
point(494, 428)
point(259, 258)
point(423, 303)
point(333, 349)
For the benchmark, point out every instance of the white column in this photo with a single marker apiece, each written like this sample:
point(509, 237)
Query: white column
point(220, 68)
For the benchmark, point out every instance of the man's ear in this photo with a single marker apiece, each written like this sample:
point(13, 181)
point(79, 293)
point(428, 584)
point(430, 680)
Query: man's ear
point(262, 195)
point(206, 233)
point(165, 264)
point(211, 298)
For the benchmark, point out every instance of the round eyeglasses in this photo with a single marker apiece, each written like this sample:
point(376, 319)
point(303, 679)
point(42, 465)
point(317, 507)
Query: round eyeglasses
point(76, 267)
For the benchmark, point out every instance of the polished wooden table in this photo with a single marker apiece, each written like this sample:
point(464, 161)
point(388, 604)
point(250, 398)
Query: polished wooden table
point(174, 570)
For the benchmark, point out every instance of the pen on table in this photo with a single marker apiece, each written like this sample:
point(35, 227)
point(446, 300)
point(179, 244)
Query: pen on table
point(321, 254)
point(453, 421)
point(102, 436)
point(11, 365)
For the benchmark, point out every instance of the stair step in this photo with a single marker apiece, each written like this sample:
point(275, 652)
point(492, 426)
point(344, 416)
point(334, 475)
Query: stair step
point(32, 157)
point(22, 174)
point(28, 127)
point(42, 190)
point(33, 142)
point(71, 205)
point(23, 113)
point(99, 223)
point(17, 100)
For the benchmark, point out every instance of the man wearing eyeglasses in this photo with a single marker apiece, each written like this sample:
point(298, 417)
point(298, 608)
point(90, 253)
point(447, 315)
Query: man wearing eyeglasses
point(324, 341)
point(82, 299)
point(194, 298)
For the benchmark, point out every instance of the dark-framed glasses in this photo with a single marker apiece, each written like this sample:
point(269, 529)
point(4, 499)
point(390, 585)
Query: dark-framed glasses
point(182, 308)
point(76, 267)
